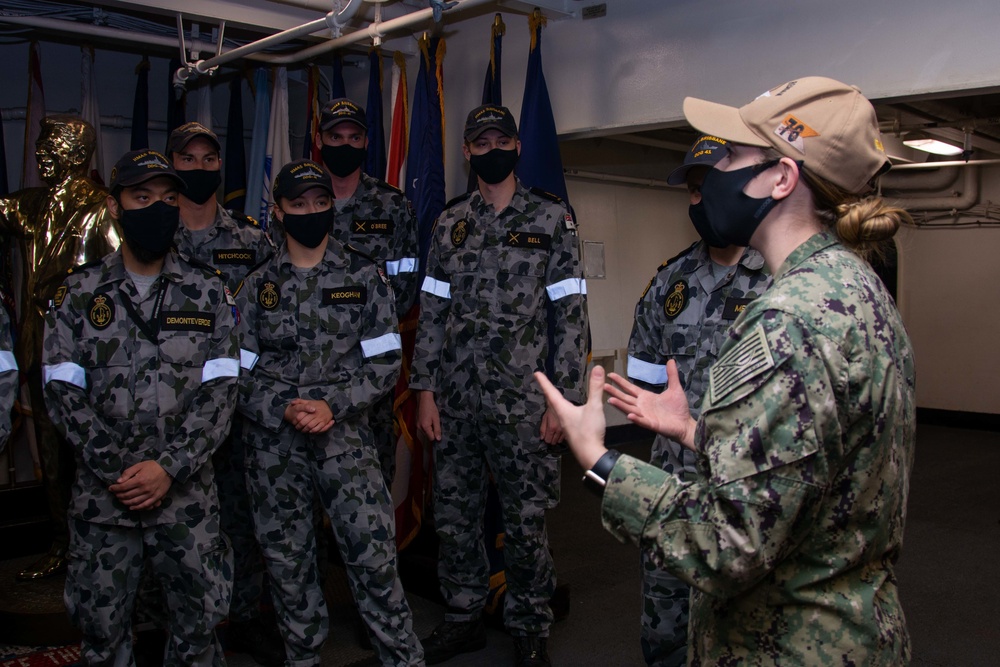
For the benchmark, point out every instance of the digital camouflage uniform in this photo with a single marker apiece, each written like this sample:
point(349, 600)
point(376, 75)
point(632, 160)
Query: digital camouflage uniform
point(8, 376)
point(327, 333)
point(790, 532)
point(499, 288)
point(234, 244)
point(683, 315)
point(120, 398)
point(379, 221)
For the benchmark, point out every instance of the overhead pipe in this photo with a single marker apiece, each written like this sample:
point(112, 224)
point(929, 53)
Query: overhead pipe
point(103, 32)
point(208, 66)
point(961, 201)
point(614, 178)
point(374, 31)
point(938, 179)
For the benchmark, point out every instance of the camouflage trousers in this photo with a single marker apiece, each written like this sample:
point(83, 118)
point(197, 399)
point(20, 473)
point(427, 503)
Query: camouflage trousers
point(237, 523)
point(527, 481)
point(354, 496)
point(665, 598)
point(190, 560)
point(383, 426)
point(664, 616)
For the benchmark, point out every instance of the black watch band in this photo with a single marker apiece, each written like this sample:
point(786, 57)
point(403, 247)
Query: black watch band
point(596, 478)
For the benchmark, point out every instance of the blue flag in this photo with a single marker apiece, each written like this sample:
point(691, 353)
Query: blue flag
point(235, 190)
point(337, 87)
point(375, 162)
point(492, 88)
point(4, 188)
point(176, 99)
point(140, 107)
point(540, 165)
point(425, 162)
point(256, 197)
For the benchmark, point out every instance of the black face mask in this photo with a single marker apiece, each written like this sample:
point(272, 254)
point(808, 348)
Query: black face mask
point(493, 167)
point(309, 229)
point(150, 231)
point(200, 184)
point(343, 160)
point(733, 215)
point(697, 214)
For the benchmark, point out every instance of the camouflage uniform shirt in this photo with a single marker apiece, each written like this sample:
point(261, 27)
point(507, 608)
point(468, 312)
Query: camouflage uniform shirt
point(233, 245)
point(379, 222)
point(8, 376)
point(119, 398)
point(499, 287)
point(806, 439)
point(684, 315)
point(327, 333)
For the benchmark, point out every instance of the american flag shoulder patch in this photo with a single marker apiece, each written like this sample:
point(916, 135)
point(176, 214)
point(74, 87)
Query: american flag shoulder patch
point(750, 357)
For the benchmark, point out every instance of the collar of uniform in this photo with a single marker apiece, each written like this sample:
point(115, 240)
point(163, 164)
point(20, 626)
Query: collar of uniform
point(113, 268)
point(335, 255)
point(518, 201)
point(815, 243)
point(752, 259)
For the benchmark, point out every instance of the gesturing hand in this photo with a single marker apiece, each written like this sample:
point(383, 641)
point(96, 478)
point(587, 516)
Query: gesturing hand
point(667, 412)
point(582, 425)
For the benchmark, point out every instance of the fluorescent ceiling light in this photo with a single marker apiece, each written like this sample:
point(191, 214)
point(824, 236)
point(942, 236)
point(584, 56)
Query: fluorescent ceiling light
point(923, 142)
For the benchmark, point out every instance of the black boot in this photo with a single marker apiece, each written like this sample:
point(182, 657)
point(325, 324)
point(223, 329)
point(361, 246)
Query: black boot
point(258, 639)
point(454, 637)
point(530, 651)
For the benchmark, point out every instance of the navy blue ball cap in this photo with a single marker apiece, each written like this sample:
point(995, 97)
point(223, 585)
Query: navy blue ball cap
point(705, 152)
point(137, 167)
point(298, 176)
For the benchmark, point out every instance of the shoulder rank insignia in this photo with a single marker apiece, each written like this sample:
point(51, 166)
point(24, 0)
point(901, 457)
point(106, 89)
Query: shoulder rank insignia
point(676, 299)
point(102, 311)
point(60, 296)
point(459, 232)
point(267, 295)
point(244, 218)
point(547, 195)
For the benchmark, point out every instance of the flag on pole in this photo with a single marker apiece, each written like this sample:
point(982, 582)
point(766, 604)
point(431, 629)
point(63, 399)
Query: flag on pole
point(278, 151)
point(540, 165)
point(395, 172)
point(33, 118)
point(309, 149)
point(375, 162)
point(176, 99)
point(140, 107)
point(492, 88)
point(337, 87)
point(90, 111)
point(203, 96)
point(4, 186)
point(256, 204)
point(425, 189)
point(235, 190)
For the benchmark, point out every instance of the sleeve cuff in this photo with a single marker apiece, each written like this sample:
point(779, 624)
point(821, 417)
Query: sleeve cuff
point(633, 490)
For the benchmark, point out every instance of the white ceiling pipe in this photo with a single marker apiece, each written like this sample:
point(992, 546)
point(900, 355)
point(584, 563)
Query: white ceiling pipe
point(332, 21)
point(372, 31)
point(962, 201)
point(113, 34)
point(949, 163)
point(614, 178)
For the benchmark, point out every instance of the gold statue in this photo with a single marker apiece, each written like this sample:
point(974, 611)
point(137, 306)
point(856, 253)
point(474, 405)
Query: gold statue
point(54, 228)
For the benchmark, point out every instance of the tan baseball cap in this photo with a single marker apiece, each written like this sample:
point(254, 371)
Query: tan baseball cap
point(827, 124)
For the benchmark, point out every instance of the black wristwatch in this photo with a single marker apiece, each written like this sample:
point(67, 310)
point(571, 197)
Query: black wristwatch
point(596, 478)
